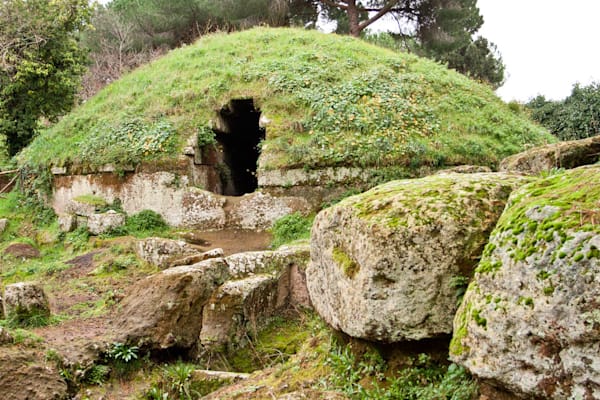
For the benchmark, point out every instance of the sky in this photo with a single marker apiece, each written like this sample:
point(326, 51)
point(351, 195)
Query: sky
point(547, 45)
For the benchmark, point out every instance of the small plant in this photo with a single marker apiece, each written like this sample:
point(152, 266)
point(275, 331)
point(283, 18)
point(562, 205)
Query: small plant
point(97, 374)
point(176, 383)
point(78, 239)
point(33, 319)
point(289, 228)
point(421, 379)
point(123, 352)
point(179, 376)
point(117, 264)
point(143, 224)
point(123, 358)
point(460, 284)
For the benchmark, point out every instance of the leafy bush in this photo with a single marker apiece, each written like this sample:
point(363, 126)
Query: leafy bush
point(576, 117)
point(97, 374)
point(123, 358)
point(289, 228)
point(143, 224)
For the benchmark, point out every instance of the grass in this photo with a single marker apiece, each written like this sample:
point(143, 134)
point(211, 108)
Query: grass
point(356, 103)
point(290, 228)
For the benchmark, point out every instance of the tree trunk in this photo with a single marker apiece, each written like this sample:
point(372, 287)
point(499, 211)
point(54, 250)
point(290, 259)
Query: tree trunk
point(353, 21)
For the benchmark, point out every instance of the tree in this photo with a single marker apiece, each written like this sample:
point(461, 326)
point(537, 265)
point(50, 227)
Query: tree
point(115, 47)
point(439, 29)
point(40, 63)
point(358, 14)
point(575, 117)
point(478, 59)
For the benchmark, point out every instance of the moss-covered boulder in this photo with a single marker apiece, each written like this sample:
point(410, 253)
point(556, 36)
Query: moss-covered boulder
point(387, 265)
point(530, 319)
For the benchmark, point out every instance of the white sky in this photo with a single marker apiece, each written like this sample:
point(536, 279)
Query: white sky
point(546, 45)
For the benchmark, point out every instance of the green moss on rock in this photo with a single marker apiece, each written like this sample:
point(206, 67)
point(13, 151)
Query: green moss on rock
point(346, 263)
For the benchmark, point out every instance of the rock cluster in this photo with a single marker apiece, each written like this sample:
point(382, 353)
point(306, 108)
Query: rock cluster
point(390, 265)
point(211, 303)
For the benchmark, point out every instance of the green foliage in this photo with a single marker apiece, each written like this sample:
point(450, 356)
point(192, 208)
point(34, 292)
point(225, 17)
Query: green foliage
point(576, 117)
point(143, 224)
point(175, 383)
point(290, 228)
point(97, 374)
point(333, 101)
point(32, 319)
point(78, 239)
point(460, 284)
point(123, 352)
point(92, 200)
point(41, 63)
point(117, 264)
point(421, 379)
point(127, 143)
point(478, 59)
point(123, 359)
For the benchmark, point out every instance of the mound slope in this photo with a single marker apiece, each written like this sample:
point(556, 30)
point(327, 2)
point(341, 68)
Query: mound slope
point(326, 101)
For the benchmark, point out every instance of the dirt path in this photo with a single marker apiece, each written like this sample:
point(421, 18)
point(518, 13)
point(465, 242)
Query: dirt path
point(230, 240)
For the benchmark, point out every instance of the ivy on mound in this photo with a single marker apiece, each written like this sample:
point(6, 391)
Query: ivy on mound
point(331, 101)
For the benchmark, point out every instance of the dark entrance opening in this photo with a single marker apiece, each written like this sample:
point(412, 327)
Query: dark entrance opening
point(239, 134)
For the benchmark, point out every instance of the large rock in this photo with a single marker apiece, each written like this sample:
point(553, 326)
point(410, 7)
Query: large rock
point(268, 262)
point(67, 222)
point(3, 225)
point(24, 375)
point(5, 337)
point(203, 209)
point(558, 155)
point(530, 319)
point(236, 310)
point(383, 263)
point(162, 252)
point(258, 211)
point(104, 222)
point(165, 310)
point(25, 300)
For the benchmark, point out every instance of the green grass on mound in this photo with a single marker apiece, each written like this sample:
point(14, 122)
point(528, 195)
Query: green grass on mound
point(332, 100)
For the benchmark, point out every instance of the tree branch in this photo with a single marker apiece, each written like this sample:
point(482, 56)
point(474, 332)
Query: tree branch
point(335, 4)
point(384, 10)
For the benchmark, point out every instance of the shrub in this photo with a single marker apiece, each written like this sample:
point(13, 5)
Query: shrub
point(289, 228)
point(576, 117)
point(143, 224)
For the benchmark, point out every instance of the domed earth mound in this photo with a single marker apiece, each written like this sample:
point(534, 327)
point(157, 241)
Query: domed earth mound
point(284, 108)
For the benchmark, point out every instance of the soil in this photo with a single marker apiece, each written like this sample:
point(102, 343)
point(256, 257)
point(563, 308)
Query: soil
point(22, 250)
point(230, 240)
